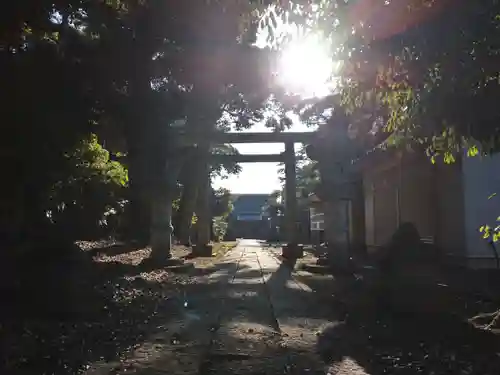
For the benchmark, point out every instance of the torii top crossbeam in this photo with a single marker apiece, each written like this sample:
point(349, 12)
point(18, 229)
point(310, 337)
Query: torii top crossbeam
point(282, 137)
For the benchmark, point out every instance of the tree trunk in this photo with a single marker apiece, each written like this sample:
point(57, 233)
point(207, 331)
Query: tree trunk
point(194, 173)
point(139, 210)
point(188, 202)
point(201, 126)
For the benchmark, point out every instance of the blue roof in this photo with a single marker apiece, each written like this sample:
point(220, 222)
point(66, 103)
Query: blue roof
point(249, 204)
point(249, 217)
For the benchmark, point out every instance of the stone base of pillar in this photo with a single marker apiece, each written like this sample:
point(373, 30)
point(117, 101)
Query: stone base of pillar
point(161, 244)
point(203, 250)
point(292, 251)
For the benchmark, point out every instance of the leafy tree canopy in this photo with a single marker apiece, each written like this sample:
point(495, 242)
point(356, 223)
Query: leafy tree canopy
point(425, 70)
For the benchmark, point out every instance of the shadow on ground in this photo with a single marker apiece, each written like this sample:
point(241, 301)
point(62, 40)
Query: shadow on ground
point(58, 318)
point(410, 344)
point(375, 335)
point(392, 335)
point(410, 331)
point(62, 312)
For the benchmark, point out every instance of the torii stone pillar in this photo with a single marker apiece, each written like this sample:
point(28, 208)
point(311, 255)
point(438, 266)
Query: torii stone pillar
point(203, 224)
point(292, 249)
point(334, 150)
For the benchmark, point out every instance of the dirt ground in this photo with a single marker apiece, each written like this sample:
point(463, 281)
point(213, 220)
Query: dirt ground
point(97, 305)
point(417, 330)
point(241, 311)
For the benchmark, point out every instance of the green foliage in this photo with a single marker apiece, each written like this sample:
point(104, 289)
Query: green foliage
point(307, 177)
point(92, 194)
point(222, 206)
point(427, 76)
point(92, 161)
point(122, 70)
point(491, 233)
point(436, 82)
point(226, 167)
point(220, 226)
point(274, 205)
point(176, 206)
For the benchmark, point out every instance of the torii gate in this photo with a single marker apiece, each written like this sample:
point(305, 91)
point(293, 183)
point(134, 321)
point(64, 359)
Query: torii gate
point(288, 157)
point(161, 230)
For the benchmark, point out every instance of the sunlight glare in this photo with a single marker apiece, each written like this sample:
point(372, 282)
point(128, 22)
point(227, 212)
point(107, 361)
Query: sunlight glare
point(306, 68)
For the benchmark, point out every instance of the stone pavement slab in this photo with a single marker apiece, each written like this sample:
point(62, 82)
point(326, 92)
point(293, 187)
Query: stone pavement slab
point(248, 340)
point(273, 323)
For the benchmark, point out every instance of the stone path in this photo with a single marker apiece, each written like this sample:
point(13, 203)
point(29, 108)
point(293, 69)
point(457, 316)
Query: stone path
point(249, 317)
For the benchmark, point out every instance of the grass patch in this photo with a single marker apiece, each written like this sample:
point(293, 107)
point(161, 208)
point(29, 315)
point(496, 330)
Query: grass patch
point(219, 249)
